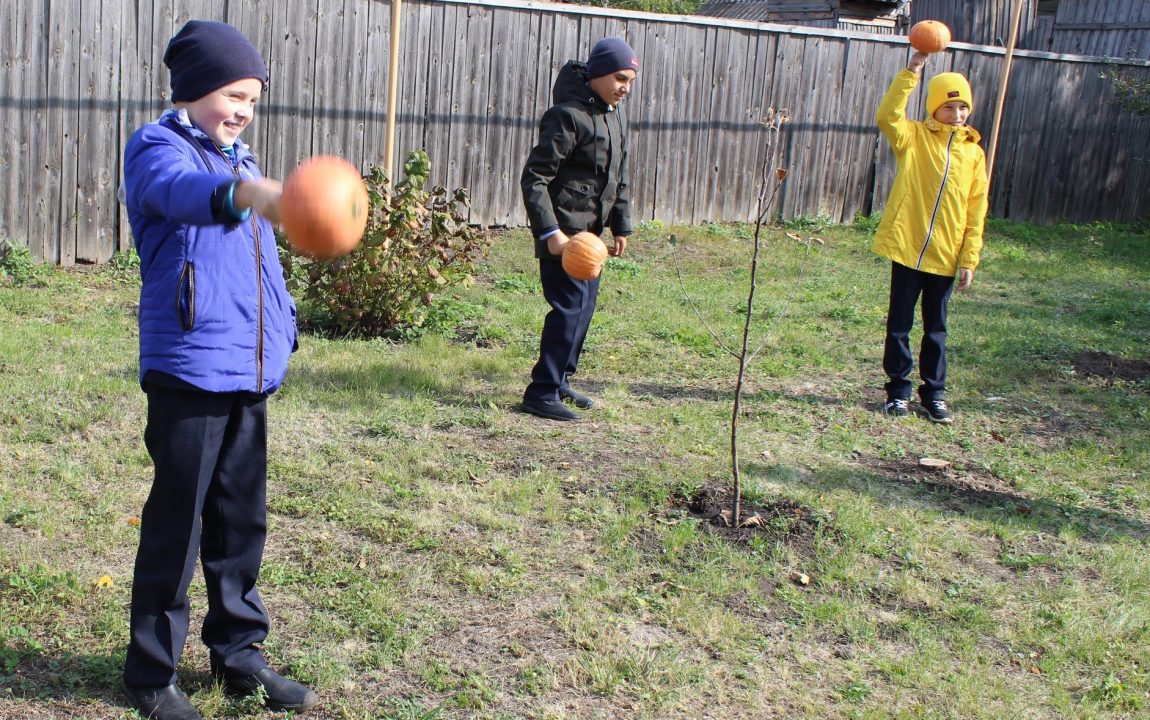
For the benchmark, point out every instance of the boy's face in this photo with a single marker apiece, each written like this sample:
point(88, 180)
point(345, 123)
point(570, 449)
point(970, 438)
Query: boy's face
point(224, 112)
point(614, 87)
point(954, 112)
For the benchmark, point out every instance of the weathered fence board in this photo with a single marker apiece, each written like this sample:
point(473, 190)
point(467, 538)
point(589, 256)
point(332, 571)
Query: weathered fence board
point(476, 75)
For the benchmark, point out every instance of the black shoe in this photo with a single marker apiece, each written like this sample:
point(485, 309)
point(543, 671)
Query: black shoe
point(550, 409)
point(279, 692)
point(162, 703)
point(580, 400)
point(896, 407)
point(937, 411)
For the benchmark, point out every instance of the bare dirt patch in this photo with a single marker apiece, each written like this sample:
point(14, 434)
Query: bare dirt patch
point(781, 519)
point(1109, 367)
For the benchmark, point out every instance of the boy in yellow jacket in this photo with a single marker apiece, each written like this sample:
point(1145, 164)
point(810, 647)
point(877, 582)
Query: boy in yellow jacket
point(931, 229)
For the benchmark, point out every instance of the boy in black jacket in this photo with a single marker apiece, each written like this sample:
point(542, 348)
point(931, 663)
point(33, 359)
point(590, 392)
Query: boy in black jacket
point(576, 180)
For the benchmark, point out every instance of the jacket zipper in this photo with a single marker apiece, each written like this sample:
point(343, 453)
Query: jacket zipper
point(937, 204)
point(259, 286)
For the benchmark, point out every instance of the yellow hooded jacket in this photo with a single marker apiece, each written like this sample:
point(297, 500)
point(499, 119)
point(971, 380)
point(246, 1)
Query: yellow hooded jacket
point(933, 220)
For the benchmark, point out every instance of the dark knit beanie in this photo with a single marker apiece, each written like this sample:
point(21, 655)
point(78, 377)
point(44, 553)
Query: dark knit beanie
point(205, 55)
point(611, 54)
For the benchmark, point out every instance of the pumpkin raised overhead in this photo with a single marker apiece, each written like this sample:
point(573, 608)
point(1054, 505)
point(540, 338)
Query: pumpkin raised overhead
point(929, 36)
point(584, 255)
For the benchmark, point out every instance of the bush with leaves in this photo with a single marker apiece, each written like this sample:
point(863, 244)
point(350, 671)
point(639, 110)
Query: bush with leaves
point(417, 244)
point(17, 264)
point(1131, 93)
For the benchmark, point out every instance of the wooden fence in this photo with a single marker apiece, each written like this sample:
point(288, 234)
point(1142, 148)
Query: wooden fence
point(78, 77)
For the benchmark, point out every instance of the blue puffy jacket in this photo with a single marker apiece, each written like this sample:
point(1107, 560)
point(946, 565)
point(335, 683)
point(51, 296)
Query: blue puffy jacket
point(214, 309)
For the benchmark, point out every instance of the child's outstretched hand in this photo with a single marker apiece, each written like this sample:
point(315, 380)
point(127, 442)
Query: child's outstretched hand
point(917, 62)
point(965, 278)
point(263, 196)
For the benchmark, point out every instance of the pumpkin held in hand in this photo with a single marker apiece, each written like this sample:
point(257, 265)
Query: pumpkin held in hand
point(584, 256)
point(324, 207)
point(929, 36)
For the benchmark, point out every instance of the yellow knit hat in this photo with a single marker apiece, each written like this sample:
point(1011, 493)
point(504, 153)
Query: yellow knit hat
point(946, 87)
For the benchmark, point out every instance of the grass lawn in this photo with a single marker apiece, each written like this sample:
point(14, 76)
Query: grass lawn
point(433, 553)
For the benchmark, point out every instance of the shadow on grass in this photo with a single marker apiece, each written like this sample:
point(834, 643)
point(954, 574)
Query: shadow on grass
point(71, 677)
point(38, 675)
point(966, 491)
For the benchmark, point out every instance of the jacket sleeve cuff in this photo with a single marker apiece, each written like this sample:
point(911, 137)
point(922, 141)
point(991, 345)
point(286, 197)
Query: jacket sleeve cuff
point(548, 232)
point(223, 204)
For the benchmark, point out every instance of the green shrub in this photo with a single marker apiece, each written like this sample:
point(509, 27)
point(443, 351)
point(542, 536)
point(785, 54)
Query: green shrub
point(16, 262)
point(417, 243)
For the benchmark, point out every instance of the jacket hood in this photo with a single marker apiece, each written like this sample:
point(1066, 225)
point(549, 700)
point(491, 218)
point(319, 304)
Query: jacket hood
point(571, 85)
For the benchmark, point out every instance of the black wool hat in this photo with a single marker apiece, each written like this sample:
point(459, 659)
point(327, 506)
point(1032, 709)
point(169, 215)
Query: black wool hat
point(205, 55)
point(611, 54)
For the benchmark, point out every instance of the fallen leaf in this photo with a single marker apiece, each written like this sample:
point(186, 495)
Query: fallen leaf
point(753, 521)
point(999, 438)
point(134, 521)
point(726, 516)
point(796, 237)
point(891, 530)
point(781, 173)
point(475, 479)
point(105, 581)
point(818, 241)
point(800, 578)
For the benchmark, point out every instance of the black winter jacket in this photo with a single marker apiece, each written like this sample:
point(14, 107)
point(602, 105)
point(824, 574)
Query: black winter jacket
point(576, 176)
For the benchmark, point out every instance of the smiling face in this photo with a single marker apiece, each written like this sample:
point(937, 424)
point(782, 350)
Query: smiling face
point(954, 112)
point(224, 112)
point(613, 87)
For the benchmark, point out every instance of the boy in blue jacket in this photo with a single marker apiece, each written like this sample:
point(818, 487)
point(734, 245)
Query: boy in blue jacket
point(217, 327)
point(574, 180)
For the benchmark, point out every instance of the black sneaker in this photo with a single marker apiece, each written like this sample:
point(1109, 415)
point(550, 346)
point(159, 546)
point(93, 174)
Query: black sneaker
point(896, 407)
point(937, 412)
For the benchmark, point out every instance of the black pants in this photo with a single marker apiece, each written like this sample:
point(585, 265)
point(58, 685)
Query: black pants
point(906, 286)
point(564, 329)
point(208, 499)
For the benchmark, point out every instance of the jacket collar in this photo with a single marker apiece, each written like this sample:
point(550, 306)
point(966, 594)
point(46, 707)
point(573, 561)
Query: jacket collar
point(961, 133)
point(240, 149)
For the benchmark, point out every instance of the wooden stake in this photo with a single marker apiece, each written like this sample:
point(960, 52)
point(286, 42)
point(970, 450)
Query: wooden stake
point(392, 91)
point(992, 143)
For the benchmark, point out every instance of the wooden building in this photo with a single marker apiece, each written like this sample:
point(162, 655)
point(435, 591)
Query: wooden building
point(1099, 28)
point(886, 17)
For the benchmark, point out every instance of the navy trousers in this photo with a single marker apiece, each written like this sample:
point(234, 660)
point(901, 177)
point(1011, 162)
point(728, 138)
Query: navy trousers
point(907, 285)
point(207, 499)
point(564, 329)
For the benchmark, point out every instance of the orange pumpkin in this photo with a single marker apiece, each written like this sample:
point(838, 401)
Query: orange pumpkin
point(324, 207)
point(929, 36)
point(584, 255)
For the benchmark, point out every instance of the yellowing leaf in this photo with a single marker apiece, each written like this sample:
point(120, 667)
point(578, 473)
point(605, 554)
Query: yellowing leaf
point(134, 521)
point(105, 581)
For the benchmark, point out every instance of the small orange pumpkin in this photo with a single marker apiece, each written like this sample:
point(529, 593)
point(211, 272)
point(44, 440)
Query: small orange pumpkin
point(324, 207)
point(929, 36)
point(584, 255)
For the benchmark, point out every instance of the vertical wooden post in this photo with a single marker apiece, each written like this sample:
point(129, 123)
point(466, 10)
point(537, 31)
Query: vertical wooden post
point(392, 88)
point(992, 144)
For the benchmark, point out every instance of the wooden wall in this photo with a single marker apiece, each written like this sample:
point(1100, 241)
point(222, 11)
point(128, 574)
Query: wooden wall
point(475, 77)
